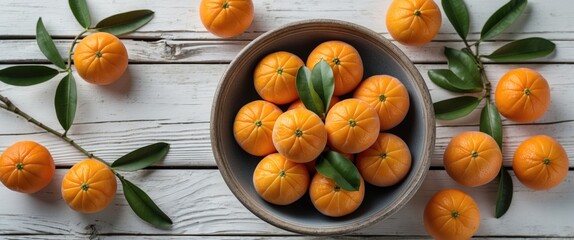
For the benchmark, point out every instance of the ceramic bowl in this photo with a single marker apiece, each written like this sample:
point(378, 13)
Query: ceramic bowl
point(379, 56)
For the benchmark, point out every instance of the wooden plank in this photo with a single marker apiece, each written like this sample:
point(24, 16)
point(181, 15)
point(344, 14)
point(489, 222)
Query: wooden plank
point(172, 237)
point(180, 20)
point(184, 51)
point(172, 103)
point(200, 204)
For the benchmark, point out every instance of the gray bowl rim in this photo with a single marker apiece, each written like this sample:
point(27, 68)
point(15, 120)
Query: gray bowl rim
point(404, 197)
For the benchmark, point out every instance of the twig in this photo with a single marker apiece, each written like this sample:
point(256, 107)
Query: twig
point(71, 52)
point(9, 106)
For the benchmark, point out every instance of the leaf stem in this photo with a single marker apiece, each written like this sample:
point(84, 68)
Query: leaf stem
point(71, 52)
point(9, 106)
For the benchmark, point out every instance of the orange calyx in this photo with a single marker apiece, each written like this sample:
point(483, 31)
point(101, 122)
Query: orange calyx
point(454, 214)
point(85, 187)
point(225, 5)
point(417, 12)
point(19, 166)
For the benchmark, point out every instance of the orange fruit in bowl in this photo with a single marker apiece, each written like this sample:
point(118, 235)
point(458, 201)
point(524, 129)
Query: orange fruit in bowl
point(472, 159)
point(26, 167)
point(345, 61)
point(451, 214)
point(101, 58)
point(280, 181)
point(388, 96)
point(299, 135)
point(386, 162)
point(353, 126)
point(522, 95)
point(89, 186)
point(299, 104)
point(540, 163)
point(333, 201)
point(226, 18)
point(275, 77)
point(253, 126)
point(413, 22)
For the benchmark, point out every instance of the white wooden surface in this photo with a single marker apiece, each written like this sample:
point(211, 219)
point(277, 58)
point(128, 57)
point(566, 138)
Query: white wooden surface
point(166, 95)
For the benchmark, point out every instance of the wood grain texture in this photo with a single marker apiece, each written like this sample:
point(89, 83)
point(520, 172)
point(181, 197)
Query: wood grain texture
point(200, 204)
point(201, 51)
point(180, 19)
point(114, 120)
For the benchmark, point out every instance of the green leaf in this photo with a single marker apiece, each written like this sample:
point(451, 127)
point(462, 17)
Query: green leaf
point(27, 75)
point(323, 82)
point(143, 206)
point(457, 14)
point(307, 93)
point(455, 107)
point(125, 22)
point(142, 157)
point(66, 101)
point(504, 195)
point(337, 167)
point(523, 49)
point(81, 12)
point(463, 65)
point(502, 19)
point(490, 122)
point(47, 45)
point(448, 80)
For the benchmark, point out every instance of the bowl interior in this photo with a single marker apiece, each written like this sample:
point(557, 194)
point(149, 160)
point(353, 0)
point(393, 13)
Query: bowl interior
point(379, 57)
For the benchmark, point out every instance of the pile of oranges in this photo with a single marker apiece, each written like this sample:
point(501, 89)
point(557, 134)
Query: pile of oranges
point(27, 167)
point(474, 158)
point(291, 141)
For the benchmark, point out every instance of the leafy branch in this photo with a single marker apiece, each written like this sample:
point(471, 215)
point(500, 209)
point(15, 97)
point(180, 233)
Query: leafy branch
point(65, 101)
point(466, 74)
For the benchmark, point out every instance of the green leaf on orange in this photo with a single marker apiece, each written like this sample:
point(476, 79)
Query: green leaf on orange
point(490, 122)
point(504, 195)
point(454, 108)
point(335, 166)
point(47, 45)
point(446, 79)
point(27, 75)
point(307, 93)
point(66, 101)
point(143, 206)
point(81, 12)
point(323, 82)
point(523, 49)
point(503, 18)
point(142, 157)
point(457, 14)
point(126, 22)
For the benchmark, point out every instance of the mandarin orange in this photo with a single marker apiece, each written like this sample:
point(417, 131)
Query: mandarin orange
point(280, 181)
point(299, 135)
point(26, 167)
point(451, 214)
point(386, 162)
point(275, 76)
point(540, 162)
point(388, 96)
point(353, 126)
point(345, 61)
point(472, 159)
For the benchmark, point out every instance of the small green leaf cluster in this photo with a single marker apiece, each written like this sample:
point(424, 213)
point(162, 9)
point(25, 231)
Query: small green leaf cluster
point(66, 100)
point(466, 74)
point(315, 88)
